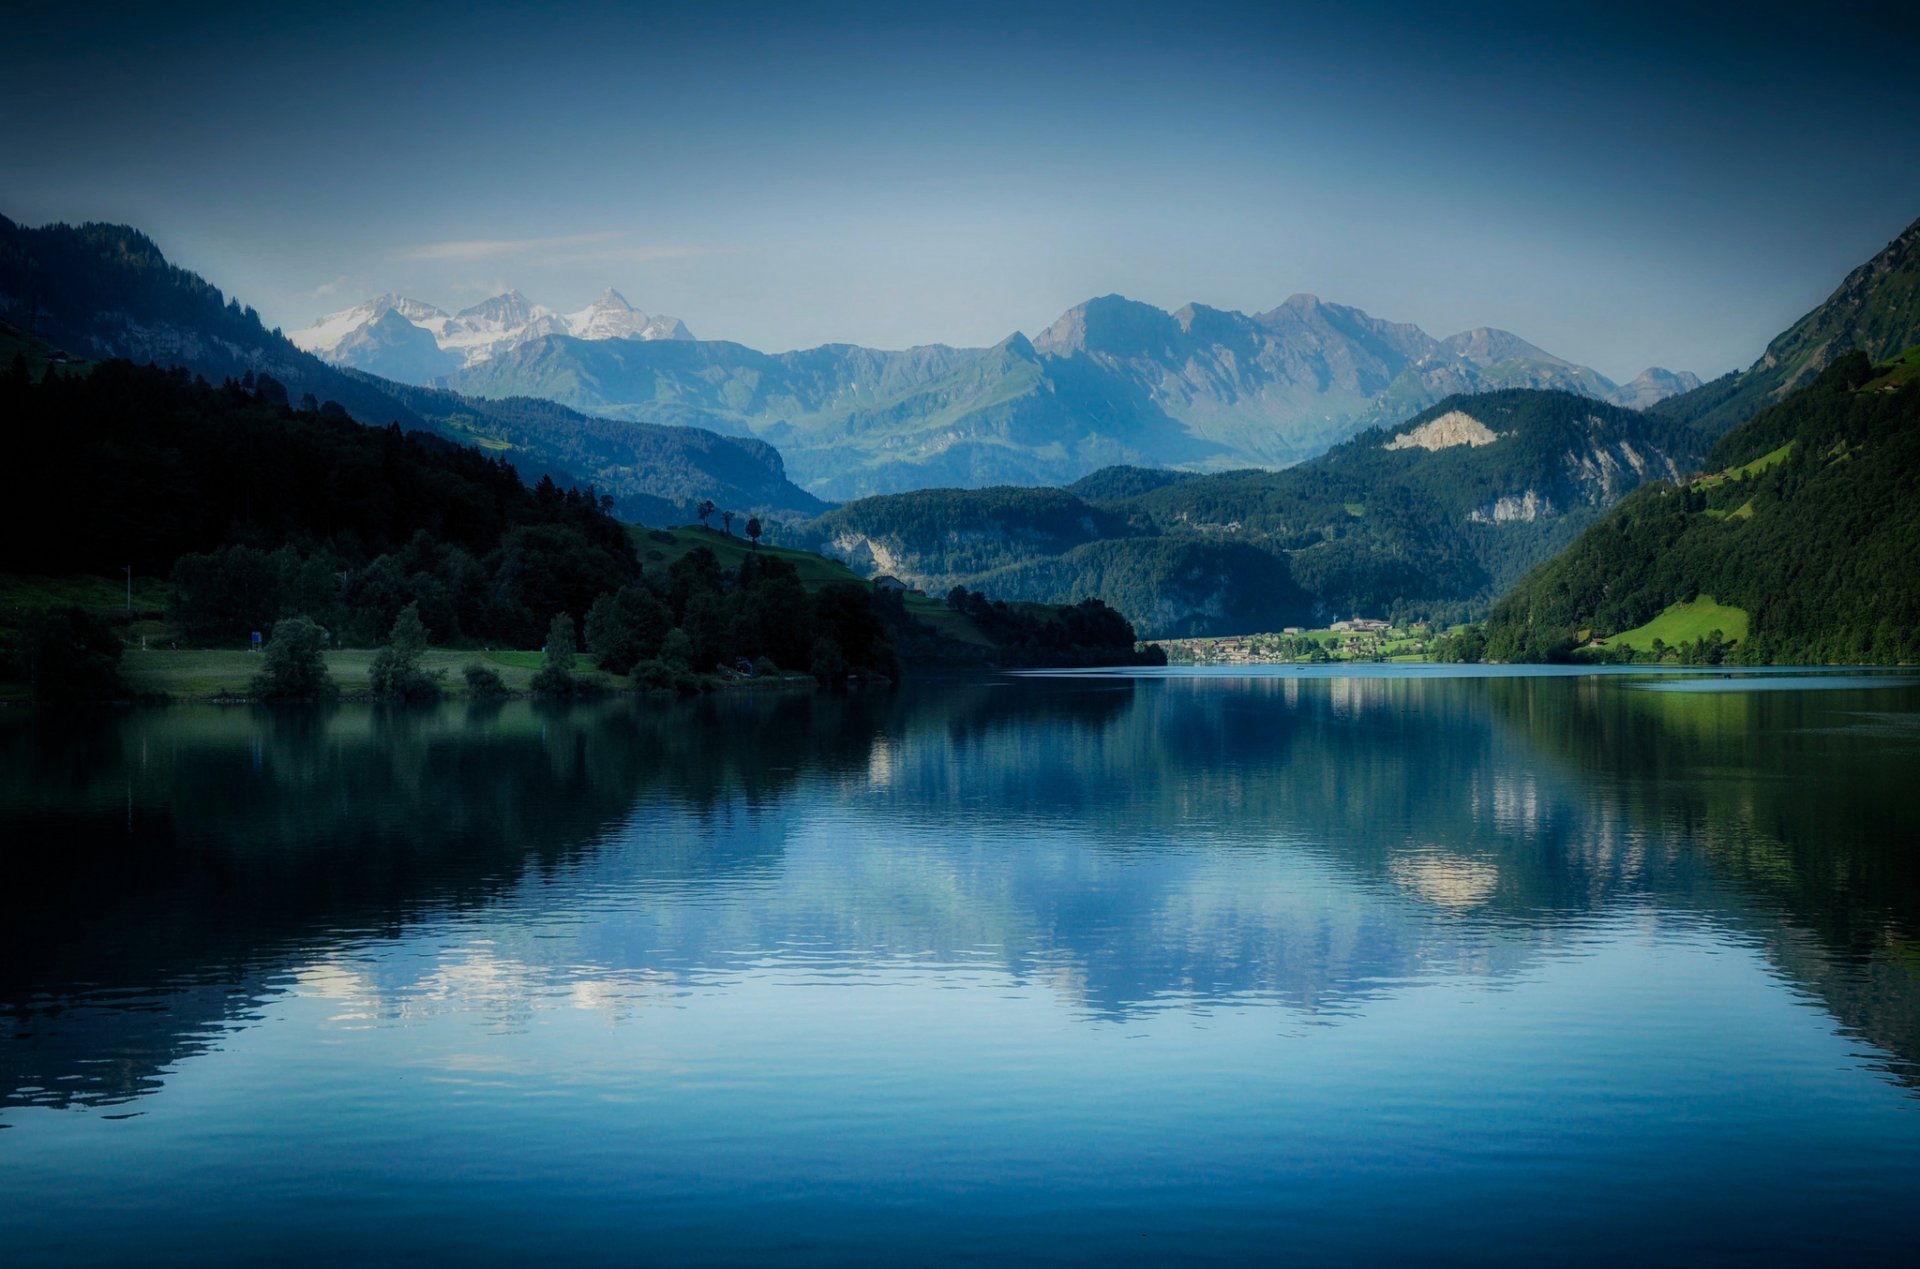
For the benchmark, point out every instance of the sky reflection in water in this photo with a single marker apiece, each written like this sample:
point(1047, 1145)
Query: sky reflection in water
point(1377, 965)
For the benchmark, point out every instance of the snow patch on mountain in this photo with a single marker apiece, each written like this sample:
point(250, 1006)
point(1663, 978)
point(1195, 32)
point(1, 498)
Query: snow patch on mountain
point(361, 334)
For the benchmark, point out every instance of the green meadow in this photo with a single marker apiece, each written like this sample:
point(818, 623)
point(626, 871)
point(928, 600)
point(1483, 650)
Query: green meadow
point(1685, 623)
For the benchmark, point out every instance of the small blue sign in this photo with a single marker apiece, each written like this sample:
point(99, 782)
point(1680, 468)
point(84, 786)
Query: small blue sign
point(256, 638)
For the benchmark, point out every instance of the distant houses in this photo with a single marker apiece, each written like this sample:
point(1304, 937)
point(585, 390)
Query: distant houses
point(1360, 625)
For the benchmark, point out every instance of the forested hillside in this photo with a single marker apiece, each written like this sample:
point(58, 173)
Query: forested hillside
point(1431, 518)
point(1810, 527)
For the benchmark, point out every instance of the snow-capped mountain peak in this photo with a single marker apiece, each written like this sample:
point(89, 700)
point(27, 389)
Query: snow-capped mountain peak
point(478, 333)
point(326, 334)
point(609, 317)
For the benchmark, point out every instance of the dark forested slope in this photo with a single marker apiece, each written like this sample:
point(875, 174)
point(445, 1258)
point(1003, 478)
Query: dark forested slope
point(1433, 517)
point(1812, 526)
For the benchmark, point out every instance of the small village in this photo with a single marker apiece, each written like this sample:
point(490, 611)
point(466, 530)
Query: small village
point(1351, 639)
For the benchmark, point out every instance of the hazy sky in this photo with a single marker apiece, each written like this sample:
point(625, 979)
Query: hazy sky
point(1622, 185)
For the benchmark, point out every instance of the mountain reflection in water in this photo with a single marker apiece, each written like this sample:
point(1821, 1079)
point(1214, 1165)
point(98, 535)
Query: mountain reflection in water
point(1126, 850)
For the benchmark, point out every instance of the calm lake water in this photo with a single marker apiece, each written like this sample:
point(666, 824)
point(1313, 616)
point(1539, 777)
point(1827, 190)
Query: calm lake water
point(1346, 966)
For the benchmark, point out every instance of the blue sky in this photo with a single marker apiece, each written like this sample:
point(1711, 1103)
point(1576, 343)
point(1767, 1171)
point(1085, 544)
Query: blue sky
point(1622, 185)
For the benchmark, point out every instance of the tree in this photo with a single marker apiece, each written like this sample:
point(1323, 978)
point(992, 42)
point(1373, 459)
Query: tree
point(71, 655)
point(295, 667)
point(704, 511)
point(726, 522)
point(396, 671)
point(555, 676)
point(754, 531)
point(483, 681)
point(625, 628)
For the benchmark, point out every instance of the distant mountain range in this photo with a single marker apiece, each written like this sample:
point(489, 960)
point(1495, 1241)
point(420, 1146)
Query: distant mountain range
point(1112, 381)
point(414, 342)
point(1435, 515)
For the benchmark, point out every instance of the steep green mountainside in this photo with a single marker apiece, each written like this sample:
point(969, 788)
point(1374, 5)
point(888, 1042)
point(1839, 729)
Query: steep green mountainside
point(1433, 517)
point(1875, 310)
point(1811, 527)
point(1112, 382)
point(105, 291)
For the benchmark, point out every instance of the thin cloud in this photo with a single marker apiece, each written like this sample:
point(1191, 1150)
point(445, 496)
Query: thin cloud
point(635, 255)
point(497, 248)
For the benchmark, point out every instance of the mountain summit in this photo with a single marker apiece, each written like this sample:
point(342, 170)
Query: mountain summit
point(473, 335)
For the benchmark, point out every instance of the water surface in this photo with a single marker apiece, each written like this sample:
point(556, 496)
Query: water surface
point(1358, 964)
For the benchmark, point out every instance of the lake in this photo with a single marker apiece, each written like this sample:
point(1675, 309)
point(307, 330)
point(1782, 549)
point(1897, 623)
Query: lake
point(1351, 965)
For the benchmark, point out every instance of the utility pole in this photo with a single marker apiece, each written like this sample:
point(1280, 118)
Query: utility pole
point(128, 569)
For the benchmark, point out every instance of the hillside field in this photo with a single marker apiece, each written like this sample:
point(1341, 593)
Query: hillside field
point(1685, 623)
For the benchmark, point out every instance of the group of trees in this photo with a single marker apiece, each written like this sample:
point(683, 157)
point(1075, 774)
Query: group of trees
point(706, 508)
point(1086, 633)
point(696, 615)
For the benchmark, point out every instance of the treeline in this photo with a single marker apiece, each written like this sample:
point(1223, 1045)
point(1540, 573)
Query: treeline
point(695, 615)
point(1084, 634)
point(1817, 547)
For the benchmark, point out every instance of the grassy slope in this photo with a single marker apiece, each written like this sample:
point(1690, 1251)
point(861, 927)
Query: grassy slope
point(1772, 458)
point(1684, 623)
point(1896, 373)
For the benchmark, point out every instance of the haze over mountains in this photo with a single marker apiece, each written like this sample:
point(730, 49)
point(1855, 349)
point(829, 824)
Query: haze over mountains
point(1113, 381)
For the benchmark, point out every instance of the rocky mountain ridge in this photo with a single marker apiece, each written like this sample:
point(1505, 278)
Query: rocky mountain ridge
point(1111, 382)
